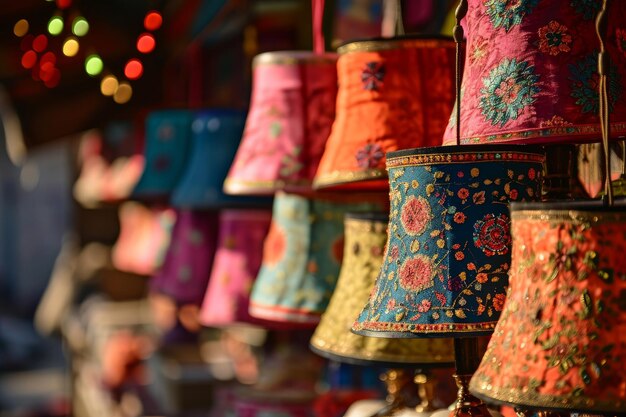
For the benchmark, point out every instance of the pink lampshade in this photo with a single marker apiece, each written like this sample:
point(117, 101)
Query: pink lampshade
point(531, 72)
point(185, 272)
point(291, 112)
point(235, 266)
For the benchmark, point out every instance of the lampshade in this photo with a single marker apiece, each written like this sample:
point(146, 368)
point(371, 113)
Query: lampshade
point(214, 140)
point(143, 239)
point(530, 73)
point(302, 256)
point(291, 112)
point(185, 272)
point(166, 150)
point(235, 267)
point(561, 340)
point(448, 251)
point(365, 237)
point(393, 94)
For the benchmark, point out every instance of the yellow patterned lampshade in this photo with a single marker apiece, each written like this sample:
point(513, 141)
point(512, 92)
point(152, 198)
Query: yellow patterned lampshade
point(365, 238)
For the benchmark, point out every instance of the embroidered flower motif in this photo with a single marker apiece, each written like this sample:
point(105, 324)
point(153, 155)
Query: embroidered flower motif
point(416, 214)
point(554, 39)
point(274, 246)
point(372, 76)
point(584, 77)
point(424, 306)
point(509, 88)
point(508, 13)
point(463, 193)
point(369, 156)
point(416, 274)
point(498, 302)
point(555, 121)
point(478, 50)
point(620, 38)
point(481, 277)
point(492, 235)
point(459, 217)
point(588, 8)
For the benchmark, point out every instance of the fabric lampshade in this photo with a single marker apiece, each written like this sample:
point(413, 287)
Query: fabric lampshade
point(185, 272)
point(531, 72)
point(302, 256)
point(168, 136)
point(448, 251)
point(365, 237)
point(291, 113)
point(214, 140)
point(235, 266)
point(393, 94)
point(560, 343)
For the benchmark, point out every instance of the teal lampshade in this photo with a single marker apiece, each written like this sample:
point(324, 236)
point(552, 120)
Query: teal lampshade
point(448, 252)
point(302, 256)
point(215, 136)
point(168, 135)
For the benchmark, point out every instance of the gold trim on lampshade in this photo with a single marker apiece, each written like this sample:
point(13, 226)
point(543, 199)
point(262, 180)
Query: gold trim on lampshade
point(365, 238)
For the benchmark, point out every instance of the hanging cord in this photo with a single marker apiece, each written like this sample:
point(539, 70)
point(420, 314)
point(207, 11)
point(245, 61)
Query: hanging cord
point(603, 68)
point(317, 11)
point(399, 22)
point(458, 35)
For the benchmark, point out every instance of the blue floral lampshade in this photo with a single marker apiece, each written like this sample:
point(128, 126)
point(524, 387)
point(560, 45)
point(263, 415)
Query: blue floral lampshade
point(448, 250)
point(302, 255)
point(214, 140)
point(168, 134)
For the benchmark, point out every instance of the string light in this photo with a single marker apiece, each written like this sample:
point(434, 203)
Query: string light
point(80, 27)
point(152, 21)
point(123, 93)
point(55, 25)
point(133, 69)
point(29, 59)
point(71, 46)
point(108, 85)
point(40, 43)
point(145, 43)
point(21, 28)
point(93, 65)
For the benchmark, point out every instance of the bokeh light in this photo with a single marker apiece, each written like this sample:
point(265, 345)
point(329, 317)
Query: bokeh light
point(80, 27)
point(145, 43)
point(40, 43)
point(29, 59)
point(93, 65)
point(133, 69)
point(55, 25)
point(54, 79)
point(108, 85)
point(47, 61)
point(27, 42)
point(123, 93)
point(63, 4)
point(153, 20)
point(71, 46)
point(21, 28)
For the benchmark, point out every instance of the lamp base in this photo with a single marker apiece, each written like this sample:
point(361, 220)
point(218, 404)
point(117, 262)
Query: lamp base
point(466, 404)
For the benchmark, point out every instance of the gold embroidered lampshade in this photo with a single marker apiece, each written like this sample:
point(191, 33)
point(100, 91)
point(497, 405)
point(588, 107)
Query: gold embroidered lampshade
point(291, 112)
point(365, 237)
point(560, 343)
point(393, 94)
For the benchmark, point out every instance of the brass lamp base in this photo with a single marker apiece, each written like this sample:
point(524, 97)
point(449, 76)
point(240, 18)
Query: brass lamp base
point(466, 404)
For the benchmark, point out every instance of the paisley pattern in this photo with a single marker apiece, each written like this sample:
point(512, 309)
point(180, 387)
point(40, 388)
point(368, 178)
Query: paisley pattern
point(561, 339)
point(529, 63)
point(302, 256)
point(364, 248)
point(451, 277)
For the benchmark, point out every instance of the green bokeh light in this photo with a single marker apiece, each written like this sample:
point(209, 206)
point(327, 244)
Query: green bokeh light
point(80, 27)
point(55, 25)
point(93, 65)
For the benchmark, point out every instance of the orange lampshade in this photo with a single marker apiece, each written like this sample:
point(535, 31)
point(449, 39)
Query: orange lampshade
point(393, 94)
point(291, 112)
point(560, 343)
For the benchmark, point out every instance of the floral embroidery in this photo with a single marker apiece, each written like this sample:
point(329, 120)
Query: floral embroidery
point(588, 8)
point(508, 13)
point(491, 234)
point(554, 39)
point(561, 314)
point(372, 76)
point(620, 37)
point(370, 156)
point(441, 281)
point(416, 274)
point(584, 77)
point(555, 121)
point(416, 214)
point(479, 50)
point(275, 245)
point(508, 90)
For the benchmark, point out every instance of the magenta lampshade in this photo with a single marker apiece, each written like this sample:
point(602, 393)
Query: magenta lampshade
point(531, 72)
point(235, 266)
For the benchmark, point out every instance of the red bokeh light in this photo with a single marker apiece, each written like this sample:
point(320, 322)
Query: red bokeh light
point(153, 20)
point(63, 4)
point(27, 42)
point(48, 57)
point(54, 79)
point(29, 59)
point(40, 43)
point(146, 43)
point(133, 69)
